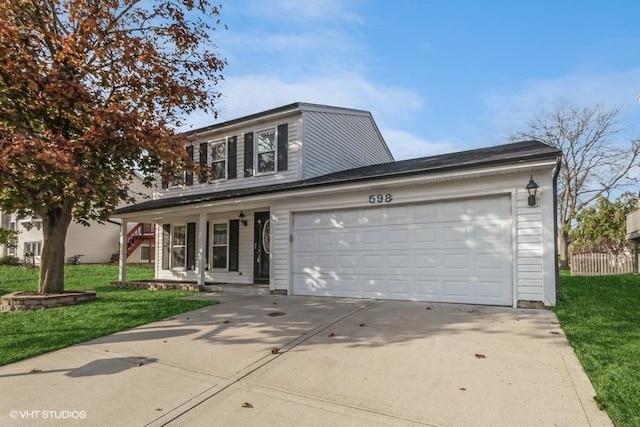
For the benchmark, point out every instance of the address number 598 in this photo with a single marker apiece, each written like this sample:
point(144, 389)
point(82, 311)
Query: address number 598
point(380, 198)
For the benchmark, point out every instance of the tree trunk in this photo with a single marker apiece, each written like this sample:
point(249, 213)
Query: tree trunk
point(54, 229)
point(563, 246)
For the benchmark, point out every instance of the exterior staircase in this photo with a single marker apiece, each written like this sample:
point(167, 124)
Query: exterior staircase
point(142, 232)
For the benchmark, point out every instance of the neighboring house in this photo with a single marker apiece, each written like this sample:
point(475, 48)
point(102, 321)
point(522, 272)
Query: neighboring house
point(308, 199)
point(96, 243)
point(633, 234)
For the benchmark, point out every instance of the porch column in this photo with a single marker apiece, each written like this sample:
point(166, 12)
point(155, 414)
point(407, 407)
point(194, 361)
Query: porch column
point(122, 259)
point(200, 258)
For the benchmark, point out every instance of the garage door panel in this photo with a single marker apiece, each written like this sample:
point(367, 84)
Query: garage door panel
point(454, 251)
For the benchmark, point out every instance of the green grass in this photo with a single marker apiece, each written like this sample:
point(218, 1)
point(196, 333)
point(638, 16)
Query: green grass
point(601, 318)
point(29, 333)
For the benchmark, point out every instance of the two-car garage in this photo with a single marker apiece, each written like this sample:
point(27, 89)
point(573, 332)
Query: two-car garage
point(456, 250)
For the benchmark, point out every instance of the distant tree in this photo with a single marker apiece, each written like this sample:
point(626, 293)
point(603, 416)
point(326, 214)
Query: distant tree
point(603, 225)
point(593, 163)
point(90, 91)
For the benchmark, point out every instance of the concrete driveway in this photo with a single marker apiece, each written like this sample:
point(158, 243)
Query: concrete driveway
point(300, 361)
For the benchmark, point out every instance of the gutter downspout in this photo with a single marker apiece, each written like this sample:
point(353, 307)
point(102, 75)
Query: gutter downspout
point(556, 172)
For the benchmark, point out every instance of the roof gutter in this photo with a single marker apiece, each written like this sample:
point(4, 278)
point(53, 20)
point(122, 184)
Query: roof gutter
point(331, 187)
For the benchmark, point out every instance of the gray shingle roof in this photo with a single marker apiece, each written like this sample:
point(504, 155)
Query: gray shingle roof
point(518, 152)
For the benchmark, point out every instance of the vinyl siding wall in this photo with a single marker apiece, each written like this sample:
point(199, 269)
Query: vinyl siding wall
point(245, 255)
point(338, 141)
point(291, 174)
point(533, 251)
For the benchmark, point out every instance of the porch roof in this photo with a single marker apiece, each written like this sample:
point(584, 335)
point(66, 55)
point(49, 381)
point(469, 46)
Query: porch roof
point(518, 152)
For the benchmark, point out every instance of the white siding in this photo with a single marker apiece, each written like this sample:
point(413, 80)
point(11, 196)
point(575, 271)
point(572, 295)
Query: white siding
point(532, 253)
point(291, 174)
point(280, 244)
point(336, 141)
point(245, 255)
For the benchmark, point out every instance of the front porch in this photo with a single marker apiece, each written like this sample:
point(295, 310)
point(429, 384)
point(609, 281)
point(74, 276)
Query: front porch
point(214, 287)
point(205, 246)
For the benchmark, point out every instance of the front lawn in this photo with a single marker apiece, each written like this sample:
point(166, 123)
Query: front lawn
point(28, 333)
point(601, 318)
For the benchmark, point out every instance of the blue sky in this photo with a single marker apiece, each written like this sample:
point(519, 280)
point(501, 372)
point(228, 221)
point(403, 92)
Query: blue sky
point(438, 76)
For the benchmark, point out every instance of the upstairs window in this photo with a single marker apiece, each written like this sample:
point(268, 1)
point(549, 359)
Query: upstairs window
point(219, 159)
point(266, 152)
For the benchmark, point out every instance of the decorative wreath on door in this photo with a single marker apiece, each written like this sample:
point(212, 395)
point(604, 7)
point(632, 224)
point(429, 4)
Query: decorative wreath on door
point(266, 237)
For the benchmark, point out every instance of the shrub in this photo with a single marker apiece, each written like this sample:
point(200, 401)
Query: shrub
point(9, 260)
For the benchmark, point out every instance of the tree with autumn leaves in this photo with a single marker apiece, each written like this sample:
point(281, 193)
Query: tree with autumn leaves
point(91, 92)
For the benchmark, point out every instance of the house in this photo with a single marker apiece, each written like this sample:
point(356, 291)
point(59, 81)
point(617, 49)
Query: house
point(308, 199)
point(96, 243)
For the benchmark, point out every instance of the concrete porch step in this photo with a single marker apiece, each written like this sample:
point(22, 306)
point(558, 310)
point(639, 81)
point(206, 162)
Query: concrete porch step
point(233, 288)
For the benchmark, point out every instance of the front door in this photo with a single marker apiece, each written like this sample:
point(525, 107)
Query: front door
point(262, 247)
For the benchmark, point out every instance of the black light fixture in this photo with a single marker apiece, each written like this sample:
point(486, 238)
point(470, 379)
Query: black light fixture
point(242, 220)
point(532, 188)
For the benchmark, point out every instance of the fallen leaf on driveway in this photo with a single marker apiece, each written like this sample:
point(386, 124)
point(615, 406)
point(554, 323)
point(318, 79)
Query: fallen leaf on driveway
point(331, 334)
point(361, 324)
point(247, 405)
point(480, 356)
point(275, 350)
point(555, 332)
point(35, 370)
point(462, 388)
point(226, 321)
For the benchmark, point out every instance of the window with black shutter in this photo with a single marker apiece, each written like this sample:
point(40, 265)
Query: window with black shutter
point(232, 146)
point(188, 175)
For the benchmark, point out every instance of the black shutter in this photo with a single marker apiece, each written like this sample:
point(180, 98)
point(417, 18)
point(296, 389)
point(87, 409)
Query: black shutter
point(283, 144)
point(203, 154)
point(188, 176)
point(206, 249)
point(191, 245)
point(166, 247)
point(248, 154)
point(234, 244)
point(232, 158)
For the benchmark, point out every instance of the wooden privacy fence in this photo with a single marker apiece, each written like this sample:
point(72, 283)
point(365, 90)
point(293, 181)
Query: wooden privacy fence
point(601, 264)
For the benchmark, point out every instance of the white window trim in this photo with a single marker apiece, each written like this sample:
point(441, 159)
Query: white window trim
point(256, 154)
point(150, 259)
point(36, 253)
point(171, 266)
point(213, 245)
point(211, 161)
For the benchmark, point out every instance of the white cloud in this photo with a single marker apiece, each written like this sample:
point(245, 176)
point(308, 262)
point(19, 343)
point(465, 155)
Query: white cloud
point(405, 145)
point(518, 107)
point(253, 93)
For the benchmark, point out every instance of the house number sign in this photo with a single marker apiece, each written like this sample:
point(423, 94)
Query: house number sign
point(380, 198)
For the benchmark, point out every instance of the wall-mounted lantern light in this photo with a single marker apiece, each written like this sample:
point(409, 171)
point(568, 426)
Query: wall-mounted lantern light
point(242, 220)
point(532, 188)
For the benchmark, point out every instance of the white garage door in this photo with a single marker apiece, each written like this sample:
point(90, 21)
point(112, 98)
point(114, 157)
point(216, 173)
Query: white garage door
point(450, 251)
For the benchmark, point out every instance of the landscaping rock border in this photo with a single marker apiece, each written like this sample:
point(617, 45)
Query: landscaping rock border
point(20, 301)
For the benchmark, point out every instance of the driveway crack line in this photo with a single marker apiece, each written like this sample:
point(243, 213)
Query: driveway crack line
point(240, 375)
